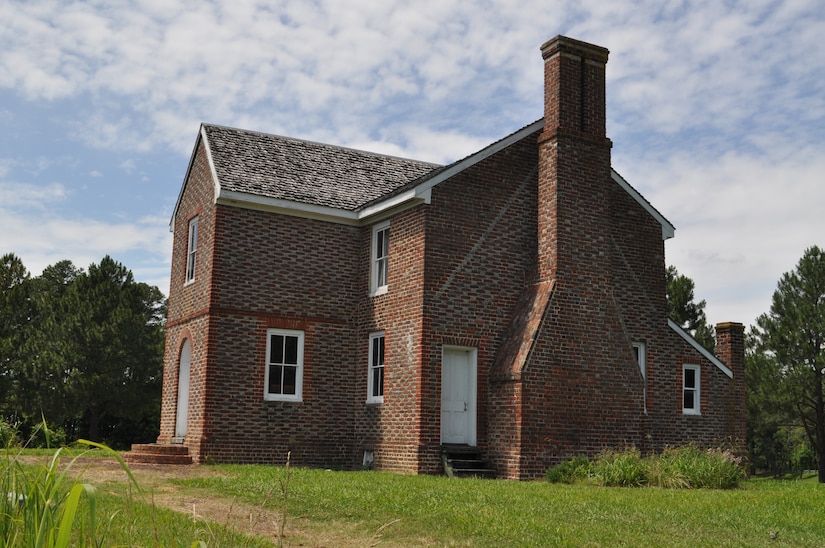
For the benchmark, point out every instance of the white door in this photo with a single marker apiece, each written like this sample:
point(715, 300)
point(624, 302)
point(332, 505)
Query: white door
point(182, 416)
point(458, 395)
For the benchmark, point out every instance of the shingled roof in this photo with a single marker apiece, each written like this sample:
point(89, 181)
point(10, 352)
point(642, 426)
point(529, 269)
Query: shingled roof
point(303, 171)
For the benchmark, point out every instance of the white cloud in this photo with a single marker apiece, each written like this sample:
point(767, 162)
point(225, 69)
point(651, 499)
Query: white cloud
point(20, 195)
point(741, 222)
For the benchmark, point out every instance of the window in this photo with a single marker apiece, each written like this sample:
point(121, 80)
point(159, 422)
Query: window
point(192, 250)
point(375, 386)
point(284, 365)
point(690, 389)
point(640, 353)
point(379, 258)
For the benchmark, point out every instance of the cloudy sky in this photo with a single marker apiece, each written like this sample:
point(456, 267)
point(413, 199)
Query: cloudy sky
point(716, 111)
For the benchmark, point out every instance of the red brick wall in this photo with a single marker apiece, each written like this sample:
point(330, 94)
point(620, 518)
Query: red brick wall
point(481, 248)
point(392, 430)
point(187, 316)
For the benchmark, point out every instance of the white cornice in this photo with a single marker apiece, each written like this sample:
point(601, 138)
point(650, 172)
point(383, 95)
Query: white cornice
point(702, 350)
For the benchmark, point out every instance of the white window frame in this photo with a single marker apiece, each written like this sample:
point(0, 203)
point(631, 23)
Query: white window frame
point(299, 365)
point(191, 250)
point(696, 390)
point(376, 367)
point(379, 259)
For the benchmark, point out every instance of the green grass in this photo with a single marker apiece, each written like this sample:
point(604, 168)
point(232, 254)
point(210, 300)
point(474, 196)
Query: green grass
point(376, 508)
point(435, 510)
point(51, 504)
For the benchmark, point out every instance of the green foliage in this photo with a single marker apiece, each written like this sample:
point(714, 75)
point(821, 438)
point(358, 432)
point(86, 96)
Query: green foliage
point(791, 339)
point(687, 467)
point(8, 435)
point(82, 349)
point(692, 467)
point(575, 470)
point(620, 468)
point(43, 502)
point(683, 309)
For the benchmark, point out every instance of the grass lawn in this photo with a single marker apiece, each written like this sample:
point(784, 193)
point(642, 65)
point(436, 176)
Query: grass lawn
point(326, 508)
point(427, 510)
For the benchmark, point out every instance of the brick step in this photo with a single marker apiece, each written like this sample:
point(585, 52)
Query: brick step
point(486, 473)
point(160, 448)
point(463, 461)
point(155, 453)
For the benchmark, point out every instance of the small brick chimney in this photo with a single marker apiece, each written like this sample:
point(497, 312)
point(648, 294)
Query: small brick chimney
point(574, 163)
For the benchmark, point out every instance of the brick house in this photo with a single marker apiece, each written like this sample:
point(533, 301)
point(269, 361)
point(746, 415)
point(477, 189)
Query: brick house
point(345, 305)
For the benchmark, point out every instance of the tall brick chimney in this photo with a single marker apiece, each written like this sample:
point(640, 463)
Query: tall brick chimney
point(574, 163)
point(730, 348)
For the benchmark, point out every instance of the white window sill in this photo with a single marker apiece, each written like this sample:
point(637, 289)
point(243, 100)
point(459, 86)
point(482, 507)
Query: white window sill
point(293, 399)
point(375, 401)
point(380, 291)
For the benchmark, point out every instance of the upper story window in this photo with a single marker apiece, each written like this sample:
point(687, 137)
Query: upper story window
point(192, 250)
point(639, 351)
point(690, 390)
point(283, 378)
point(375, 385)
point(379, 258)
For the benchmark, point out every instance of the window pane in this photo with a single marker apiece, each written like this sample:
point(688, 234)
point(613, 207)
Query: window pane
point(289, 380)
point(690, 378)
point(382, 272)
point(291, 351)
point(276, 353)
point(380, 354)
point(382, 243)
point(380, 382)
point(275, 372)
point(688, 401)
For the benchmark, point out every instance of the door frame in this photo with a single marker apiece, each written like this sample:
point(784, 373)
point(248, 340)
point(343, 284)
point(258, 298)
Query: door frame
point(182, 411)
point(472, 401)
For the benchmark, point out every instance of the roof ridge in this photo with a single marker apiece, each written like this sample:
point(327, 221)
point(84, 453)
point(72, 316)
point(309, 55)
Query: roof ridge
point(318, 143)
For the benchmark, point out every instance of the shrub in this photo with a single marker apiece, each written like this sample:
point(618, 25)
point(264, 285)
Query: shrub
point(687, 467)
point(46, 436)
point(8, 434)
point(692, 467)
point(621, 468)
point(570, 471)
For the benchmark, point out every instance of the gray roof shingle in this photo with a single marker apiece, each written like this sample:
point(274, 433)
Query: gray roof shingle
point(304, 171)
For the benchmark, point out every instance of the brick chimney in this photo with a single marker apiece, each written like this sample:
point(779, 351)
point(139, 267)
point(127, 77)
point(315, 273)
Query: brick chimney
point(574, 164)
point(730, 349)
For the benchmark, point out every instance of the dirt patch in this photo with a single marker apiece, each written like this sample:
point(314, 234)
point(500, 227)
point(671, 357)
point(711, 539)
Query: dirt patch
point(156, 483)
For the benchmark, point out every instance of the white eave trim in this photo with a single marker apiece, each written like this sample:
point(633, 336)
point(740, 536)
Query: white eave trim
point(288, 207)
point(701, 349)
point(668, 230)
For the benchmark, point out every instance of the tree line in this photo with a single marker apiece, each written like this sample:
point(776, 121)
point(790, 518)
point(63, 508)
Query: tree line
point(82, 351)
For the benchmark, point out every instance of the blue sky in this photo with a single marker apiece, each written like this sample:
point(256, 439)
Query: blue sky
point(716, 111)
